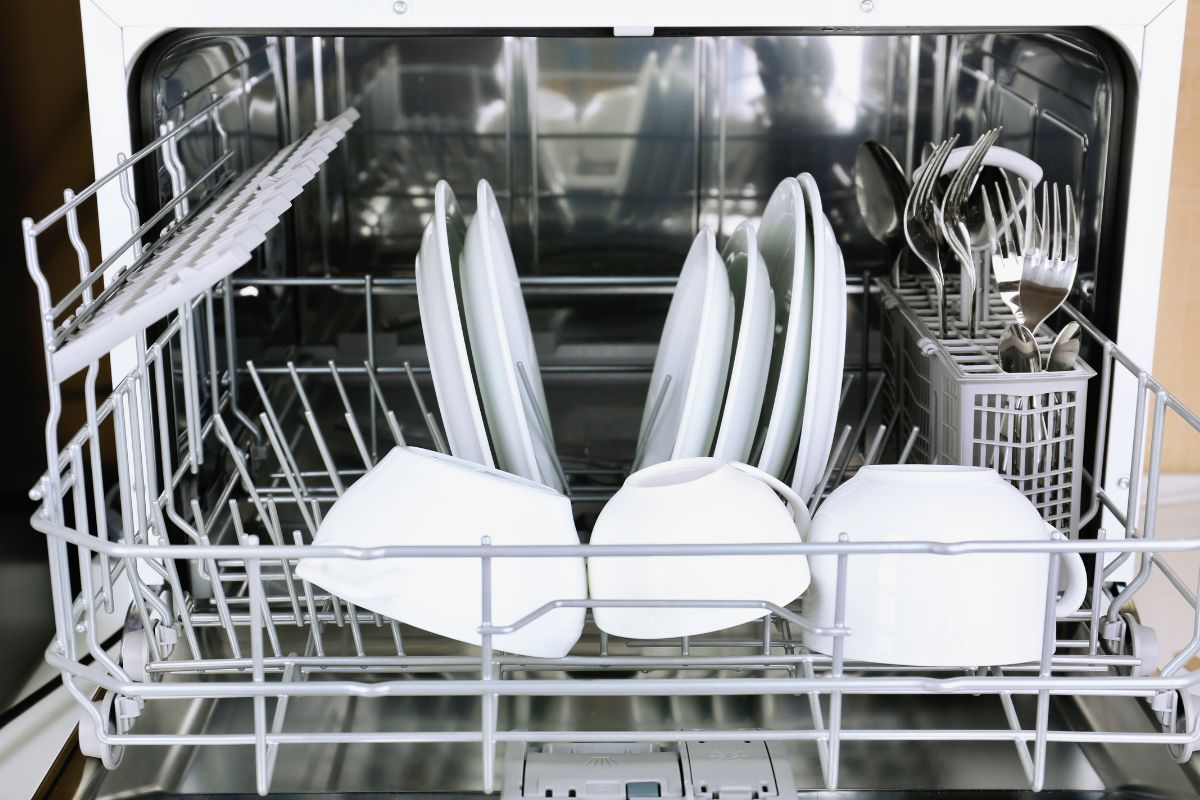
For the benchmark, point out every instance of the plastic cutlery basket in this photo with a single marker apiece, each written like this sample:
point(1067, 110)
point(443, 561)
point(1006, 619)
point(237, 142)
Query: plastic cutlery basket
point(1028, 427)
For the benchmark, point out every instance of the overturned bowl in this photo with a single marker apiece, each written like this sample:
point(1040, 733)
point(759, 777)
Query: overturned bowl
point(419, 497)
point(695, 501)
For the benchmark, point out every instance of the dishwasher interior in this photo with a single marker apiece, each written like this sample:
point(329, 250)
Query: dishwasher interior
point(269, 391)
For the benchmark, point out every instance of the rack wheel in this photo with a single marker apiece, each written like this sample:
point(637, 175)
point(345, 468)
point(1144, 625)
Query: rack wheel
point(1182, 721)
point(89, 740)
point(135, 654)
point(1143, 643)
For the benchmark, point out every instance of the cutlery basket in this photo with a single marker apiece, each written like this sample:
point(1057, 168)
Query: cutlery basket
point(1028, 427)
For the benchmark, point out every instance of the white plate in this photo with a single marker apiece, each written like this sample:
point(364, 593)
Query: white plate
point(786, 244)
point(754, 325)
point(498, 329)
point(441, 324)
point(694, 352)
point(828, 351)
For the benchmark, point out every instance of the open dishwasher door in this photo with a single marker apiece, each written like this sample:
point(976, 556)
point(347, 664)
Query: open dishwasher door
point(239, 418)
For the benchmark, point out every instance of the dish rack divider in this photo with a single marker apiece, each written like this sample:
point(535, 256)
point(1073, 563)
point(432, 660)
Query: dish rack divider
point(175, 414)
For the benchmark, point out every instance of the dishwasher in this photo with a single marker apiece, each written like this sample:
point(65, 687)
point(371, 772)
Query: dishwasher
point(247, 345)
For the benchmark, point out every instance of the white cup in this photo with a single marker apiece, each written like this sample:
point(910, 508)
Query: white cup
point(695, 501)
point(419, 497)
point(979, 609)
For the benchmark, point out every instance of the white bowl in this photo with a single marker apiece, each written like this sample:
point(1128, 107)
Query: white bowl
point(695, 501)
point(419, 497)
point(980, 609)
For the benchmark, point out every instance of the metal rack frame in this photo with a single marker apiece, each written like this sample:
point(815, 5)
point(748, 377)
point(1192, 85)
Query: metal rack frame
point(178, 409)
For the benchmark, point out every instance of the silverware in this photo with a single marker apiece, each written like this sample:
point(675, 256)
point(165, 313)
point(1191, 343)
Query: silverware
point(951, 220)
point(1018, 350)
point(1047, 278)
point(881, 191)
point(1065, 350)
point(920, 226)
point(1007, 254)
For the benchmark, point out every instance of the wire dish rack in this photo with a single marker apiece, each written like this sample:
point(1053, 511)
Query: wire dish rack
point(1028, 427)
point(206, 569)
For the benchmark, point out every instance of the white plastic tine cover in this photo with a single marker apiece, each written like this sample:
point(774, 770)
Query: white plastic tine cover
point(197, 255)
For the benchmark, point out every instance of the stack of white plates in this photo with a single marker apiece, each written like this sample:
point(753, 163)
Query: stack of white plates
point(480, 345)
point(753, 345)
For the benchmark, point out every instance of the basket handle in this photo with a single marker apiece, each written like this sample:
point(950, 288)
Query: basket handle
point(800, 511)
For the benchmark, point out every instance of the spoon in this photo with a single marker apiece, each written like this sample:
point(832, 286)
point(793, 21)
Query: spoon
point(1065, 350)
point(1018, 350)
point(881, 191)
point(1063, 354)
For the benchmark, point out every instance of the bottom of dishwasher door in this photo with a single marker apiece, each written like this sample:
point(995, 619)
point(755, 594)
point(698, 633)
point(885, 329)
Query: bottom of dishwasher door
point(880, 770)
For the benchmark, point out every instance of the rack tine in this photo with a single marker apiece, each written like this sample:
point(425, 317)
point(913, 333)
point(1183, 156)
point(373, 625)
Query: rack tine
point(846, 383)
point(288, 475)
point(239, 464)
point(435, 434)
point(191, 394)
point(214, 579)
point(98, 481)
point(908, 445)
point(332, 598)
point(355, 431)
point(876, 443)
point(164, 446)
point(860, 429)
point(284, 563)
point(271, 417)
point(834, 456)
point(377, 390)
point(231, 356)
point(544, 426)
point(311, 418)
point(314, 623)
point(244, 540)
point(653, 419)
point(396, 637)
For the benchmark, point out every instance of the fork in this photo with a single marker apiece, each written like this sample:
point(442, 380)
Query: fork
point(1046, 280)
point(1008, 253)
point(952, 222)
point(920, 226)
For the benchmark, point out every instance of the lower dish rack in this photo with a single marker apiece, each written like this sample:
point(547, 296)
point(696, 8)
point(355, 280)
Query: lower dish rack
point(250, 635)
point(191, 543)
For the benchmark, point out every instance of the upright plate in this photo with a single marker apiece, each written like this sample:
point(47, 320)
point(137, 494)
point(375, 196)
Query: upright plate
point(442, 326)
point(502, 348)
point(680, 417)
point(826, 356)
point(754, 324)
point(785, 240)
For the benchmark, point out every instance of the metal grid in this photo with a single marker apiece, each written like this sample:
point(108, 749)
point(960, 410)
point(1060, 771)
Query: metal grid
point(1027, 427)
